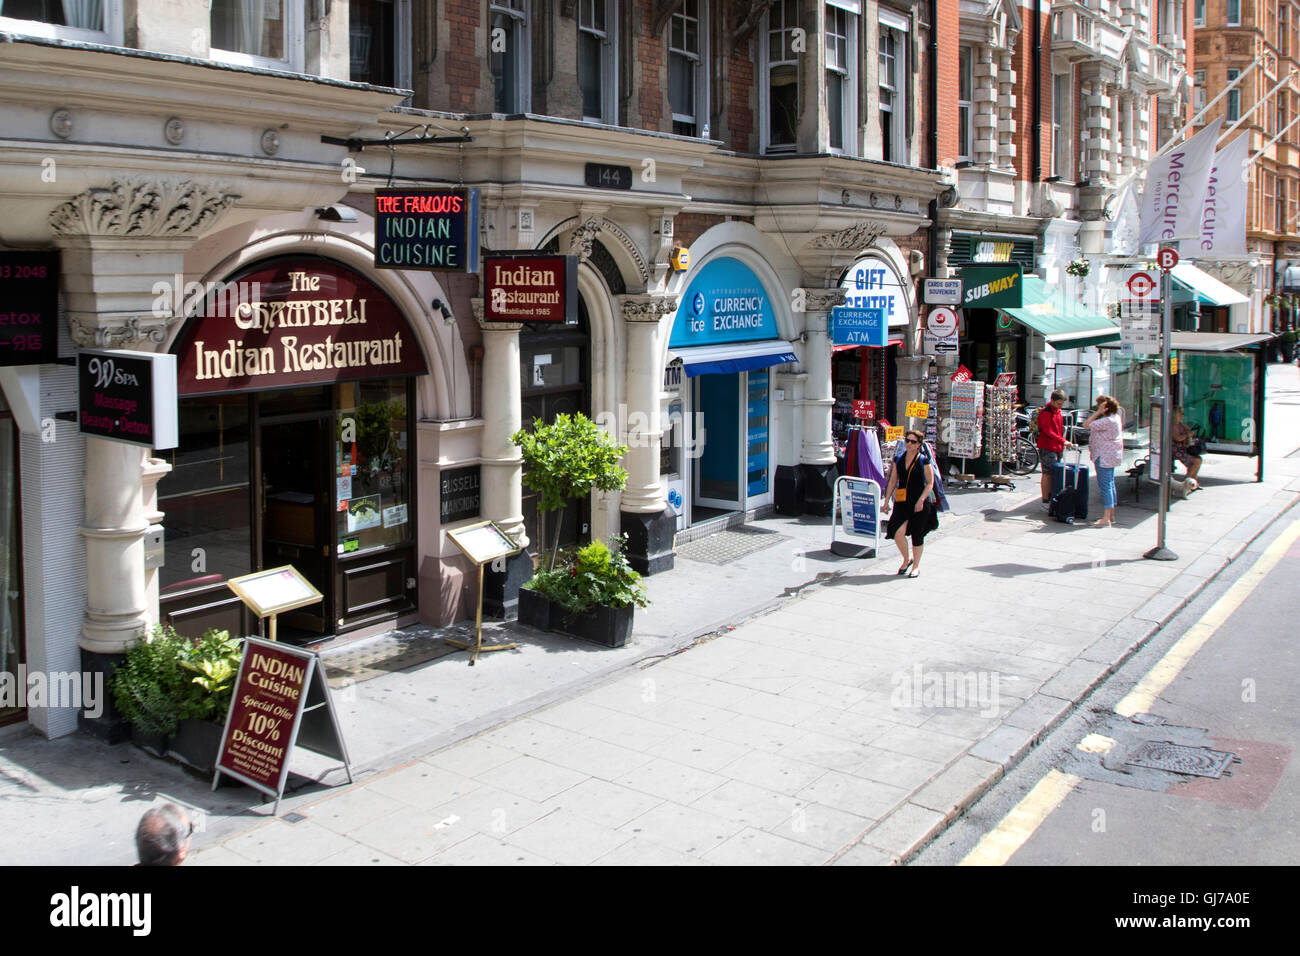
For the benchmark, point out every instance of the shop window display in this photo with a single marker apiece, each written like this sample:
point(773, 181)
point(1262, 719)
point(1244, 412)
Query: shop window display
point(371, 465)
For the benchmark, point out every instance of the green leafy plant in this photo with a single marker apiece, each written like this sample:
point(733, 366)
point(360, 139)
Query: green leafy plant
point(595, 574)
point(1079, 267)
point(167, 678)
point(566, 460)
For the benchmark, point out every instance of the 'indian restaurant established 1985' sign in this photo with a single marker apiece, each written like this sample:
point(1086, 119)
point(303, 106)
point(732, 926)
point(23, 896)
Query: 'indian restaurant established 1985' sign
point(294, 321)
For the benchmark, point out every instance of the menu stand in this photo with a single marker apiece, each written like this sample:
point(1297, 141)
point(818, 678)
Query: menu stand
point(482, 543)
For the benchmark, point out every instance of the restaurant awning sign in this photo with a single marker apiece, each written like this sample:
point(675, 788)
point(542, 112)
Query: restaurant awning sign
point(992, 287)
point(294, 321)
point(127, 396)
point(434, 229)
point(530, 288)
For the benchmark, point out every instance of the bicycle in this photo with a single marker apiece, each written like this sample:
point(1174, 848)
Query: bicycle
point(1025, 455)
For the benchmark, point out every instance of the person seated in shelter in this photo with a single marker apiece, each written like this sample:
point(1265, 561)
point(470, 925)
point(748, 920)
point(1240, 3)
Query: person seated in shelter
point(1187, 448)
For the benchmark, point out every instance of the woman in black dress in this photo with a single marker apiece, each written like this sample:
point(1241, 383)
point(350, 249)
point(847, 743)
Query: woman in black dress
point(908, 495)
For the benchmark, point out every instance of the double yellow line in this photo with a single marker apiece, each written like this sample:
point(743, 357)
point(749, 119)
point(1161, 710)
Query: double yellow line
point(1014, 830)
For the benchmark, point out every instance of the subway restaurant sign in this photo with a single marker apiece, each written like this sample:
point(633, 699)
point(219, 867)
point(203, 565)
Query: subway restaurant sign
point(991, 287)
point(289, 322)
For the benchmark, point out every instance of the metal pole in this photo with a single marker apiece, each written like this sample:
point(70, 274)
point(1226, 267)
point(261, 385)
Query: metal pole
point(1160, 552)
point(1224, 134)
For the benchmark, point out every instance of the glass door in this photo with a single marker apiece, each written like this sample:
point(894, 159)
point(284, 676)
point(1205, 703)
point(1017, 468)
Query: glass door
point(297, 495)
point(717, 475)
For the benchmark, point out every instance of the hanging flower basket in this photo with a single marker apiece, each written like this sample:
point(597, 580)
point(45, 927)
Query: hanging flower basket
point(1079, 267)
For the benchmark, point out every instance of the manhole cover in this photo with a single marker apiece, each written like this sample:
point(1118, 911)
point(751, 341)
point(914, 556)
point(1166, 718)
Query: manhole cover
point(1175, 758)
point(726, 546)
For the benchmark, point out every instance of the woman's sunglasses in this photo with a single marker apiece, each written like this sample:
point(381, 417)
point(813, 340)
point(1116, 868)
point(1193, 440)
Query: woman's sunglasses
point(913, 441)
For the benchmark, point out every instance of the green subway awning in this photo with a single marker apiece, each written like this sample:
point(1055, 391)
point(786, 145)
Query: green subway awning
point(1064, 322)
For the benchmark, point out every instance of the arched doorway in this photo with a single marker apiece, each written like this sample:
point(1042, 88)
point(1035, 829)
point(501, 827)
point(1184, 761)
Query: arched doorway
point(555, 372)
point(297, 446)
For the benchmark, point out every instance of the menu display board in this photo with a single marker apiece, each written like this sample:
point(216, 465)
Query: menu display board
point(29, 307)
point(127, 396)
point(484, 542)
point(274, 590)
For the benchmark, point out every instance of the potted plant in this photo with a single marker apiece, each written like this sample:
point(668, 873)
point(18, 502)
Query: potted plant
point(592, 594)
point(175, 693)
point(1079, 267)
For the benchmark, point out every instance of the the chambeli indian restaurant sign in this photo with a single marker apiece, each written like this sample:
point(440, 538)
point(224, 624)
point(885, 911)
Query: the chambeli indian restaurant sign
point(426, 229)
point(29, 307)
point(530, 288)
point(295, 321)
point(127, 396)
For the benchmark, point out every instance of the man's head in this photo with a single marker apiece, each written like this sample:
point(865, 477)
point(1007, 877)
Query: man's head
point(163, 836)
point(1058, 397)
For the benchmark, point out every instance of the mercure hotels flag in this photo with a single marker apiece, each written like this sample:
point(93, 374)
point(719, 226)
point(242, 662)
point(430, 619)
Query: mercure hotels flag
point(1174, 196)
point(1223, 214)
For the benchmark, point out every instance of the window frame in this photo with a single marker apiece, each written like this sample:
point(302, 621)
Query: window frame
point(700, 118)
point(1198, 13)
point(1198, 90)
point(113, 33)
point(848, 74)
point(766, 66)
point(966, 106)
point(608, 60)
point(1228, 14)
point(897, 87)
point(520, 26)
point(1062, 125)
point(295, 44)
point(401, 45)
point(1232, 103)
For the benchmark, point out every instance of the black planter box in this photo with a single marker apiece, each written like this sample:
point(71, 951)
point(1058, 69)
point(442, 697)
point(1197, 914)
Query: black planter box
point(610, 626)
point(155, 744)
point(196, 744)
point(534, 609)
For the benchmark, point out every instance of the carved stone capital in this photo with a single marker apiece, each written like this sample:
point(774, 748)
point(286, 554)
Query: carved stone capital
point(647, 308)
point(476, 306)
point(858, 237)
point(168, 208)
point(107, 331)
point(821, 300)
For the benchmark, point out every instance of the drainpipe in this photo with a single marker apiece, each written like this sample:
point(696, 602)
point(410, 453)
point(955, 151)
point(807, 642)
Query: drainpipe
point(933, 106)
point(1036, 150)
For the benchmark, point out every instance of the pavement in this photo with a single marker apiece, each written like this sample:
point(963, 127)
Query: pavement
point(785, 706)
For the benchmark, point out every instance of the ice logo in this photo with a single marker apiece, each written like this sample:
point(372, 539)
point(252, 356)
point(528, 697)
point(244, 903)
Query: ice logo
point(697, 303)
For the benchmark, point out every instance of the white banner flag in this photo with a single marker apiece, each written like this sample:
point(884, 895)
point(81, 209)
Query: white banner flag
point(1223, 216)
point(1174, 195)
point(1123, 237)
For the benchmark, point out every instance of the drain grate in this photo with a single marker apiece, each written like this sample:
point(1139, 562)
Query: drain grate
point(1176, 758)
point(730, 545)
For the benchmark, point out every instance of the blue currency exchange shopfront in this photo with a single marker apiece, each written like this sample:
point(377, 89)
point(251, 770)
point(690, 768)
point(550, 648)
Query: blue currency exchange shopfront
point(719, 418)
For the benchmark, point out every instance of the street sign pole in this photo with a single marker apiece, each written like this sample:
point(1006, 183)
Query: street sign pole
point(1160, 552)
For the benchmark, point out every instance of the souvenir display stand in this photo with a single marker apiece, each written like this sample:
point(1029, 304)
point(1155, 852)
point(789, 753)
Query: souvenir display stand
point(967, 427)
point(1000, 430)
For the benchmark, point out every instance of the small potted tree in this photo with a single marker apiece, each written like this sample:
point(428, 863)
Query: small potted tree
point(564, 461)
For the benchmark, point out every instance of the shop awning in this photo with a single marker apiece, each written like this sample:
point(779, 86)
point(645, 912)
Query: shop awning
point(845, 348)
point(1060, 319)
point(1207, 289)
point(736, 357)
point(1210, 342)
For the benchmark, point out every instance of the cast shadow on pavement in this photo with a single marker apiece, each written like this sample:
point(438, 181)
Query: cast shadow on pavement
point(1020, 570)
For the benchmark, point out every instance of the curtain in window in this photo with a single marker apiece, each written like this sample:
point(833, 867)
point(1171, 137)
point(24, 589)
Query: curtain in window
point(252, 19)
point(85, 14)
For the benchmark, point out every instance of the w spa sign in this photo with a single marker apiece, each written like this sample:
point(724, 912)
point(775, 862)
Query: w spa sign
point(314, 322)
point(128, 397)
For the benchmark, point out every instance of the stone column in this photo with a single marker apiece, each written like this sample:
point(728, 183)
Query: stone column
point(1006, 111)
point(644, 519)
point(816, 449)
point(120, 244)
point(502, 464)
point(152, 471)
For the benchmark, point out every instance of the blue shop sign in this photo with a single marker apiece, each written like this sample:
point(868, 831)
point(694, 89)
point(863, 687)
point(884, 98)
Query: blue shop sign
point(858, 326)
point(726, 302)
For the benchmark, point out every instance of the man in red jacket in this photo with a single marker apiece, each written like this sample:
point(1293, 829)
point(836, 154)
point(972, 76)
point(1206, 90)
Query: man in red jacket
point(1051, 440)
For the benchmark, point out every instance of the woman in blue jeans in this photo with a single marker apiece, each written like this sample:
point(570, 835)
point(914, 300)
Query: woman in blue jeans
point(1105, 444)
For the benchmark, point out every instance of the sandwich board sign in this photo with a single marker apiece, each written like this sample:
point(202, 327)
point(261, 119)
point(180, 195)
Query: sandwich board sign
point(857, 503)
point(280, 700)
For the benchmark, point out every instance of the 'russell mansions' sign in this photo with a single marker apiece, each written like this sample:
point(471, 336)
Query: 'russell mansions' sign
point(294, 321)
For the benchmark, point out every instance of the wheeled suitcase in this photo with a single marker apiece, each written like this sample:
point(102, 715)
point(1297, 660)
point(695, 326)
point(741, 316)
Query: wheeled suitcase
point(1074, 477)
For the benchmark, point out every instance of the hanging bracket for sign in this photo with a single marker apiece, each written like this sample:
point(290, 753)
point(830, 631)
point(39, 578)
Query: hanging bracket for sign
point(482, 543)
point(281, 700)
point(274, 591)
point(356, 144)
